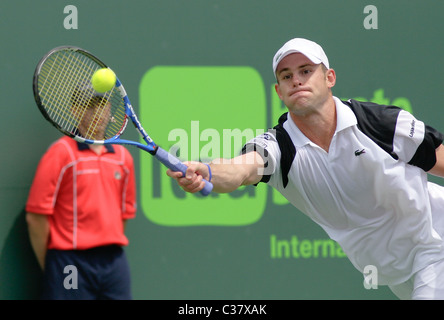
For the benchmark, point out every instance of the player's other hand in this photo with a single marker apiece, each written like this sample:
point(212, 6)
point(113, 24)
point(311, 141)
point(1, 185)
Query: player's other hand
point(193, 180)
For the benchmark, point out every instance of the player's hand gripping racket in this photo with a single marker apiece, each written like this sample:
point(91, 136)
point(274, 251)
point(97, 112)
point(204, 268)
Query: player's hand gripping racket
point(65, 96)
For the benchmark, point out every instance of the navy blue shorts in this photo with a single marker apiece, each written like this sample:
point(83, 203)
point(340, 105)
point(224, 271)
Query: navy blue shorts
point(94, 274)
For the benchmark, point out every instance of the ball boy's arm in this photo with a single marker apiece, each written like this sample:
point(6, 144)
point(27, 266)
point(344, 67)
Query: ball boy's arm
point(226, 174)
point(38, 229)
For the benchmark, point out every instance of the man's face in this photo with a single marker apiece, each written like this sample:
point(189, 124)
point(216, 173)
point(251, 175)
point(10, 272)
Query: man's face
point(302, 85)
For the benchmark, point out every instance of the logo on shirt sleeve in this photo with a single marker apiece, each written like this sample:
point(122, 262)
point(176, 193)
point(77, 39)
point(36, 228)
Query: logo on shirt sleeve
point(412, 128)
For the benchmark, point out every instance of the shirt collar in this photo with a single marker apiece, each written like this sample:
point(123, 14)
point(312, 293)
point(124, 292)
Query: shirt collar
point(84, 146)
point(345, 118)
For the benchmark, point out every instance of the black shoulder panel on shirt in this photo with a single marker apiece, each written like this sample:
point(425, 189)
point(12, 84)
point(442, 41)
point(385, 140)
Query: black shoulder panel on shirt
point(378, 122)
point(288, 150)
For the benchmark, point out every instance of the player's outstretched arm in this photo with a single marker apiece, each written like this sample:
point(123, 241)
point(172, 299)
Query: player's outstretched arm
point(226, 174)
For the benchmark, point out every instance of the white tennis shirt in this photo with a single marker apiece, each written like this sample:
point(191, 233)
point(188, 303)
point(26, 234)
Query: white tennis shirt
point(380, 209)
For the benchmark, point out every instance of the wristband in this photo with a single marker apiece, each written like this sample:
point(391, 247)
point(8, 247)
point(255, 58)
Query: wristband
point(209, 170)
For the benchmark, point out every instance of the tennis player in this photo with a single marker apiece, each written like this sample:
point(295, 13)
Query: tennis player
point(359, 170)
point(79, 202)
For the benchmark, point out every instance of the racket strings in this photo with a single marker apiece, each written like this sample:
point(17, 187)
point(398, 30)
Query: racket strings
point(68, 98)
point(50, 92)
point(80, 99)
point(100, 117)
point(58, 100)
point(57, 84)
point(105, 113)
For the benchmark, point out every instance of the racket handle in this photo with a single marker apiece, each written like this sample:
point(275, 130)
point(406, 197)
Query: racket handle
point(173, 163)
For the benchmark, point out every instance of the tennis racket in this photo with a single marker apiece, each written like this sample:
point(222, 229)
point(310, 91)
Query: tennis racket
point(65, 96)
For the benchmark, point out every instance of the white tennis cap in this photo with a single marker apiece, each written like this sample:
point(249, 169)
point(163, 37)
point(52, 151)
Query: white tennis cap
point(308, 48)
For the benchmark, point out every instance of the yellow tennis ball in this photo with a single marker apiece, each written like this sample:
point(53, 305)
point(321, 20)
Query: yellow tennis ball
point(103, 80)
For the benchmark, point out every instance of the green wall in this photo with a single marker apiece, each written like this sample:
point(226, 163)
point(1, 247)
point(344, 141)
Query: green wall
point(205, 65)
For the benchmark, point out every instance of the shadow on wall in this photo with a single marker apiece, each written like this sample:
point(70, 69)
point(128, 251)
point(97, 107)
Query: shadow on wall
point(20, 274)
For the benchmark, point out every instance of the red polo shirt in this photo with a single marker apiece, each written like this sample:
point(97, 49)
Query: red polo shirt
point(86, 196)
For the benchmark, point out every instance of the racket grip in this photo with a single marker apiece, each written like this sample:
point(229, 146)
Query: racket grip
point(173, 163)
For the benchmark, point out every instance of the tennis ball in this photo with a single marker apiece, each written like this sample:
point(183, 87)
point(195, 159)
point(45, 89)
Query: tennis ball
point(103, 80)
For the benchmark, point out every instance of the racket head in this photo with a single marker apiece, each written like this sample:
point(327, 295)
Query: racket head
point(64, 95)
